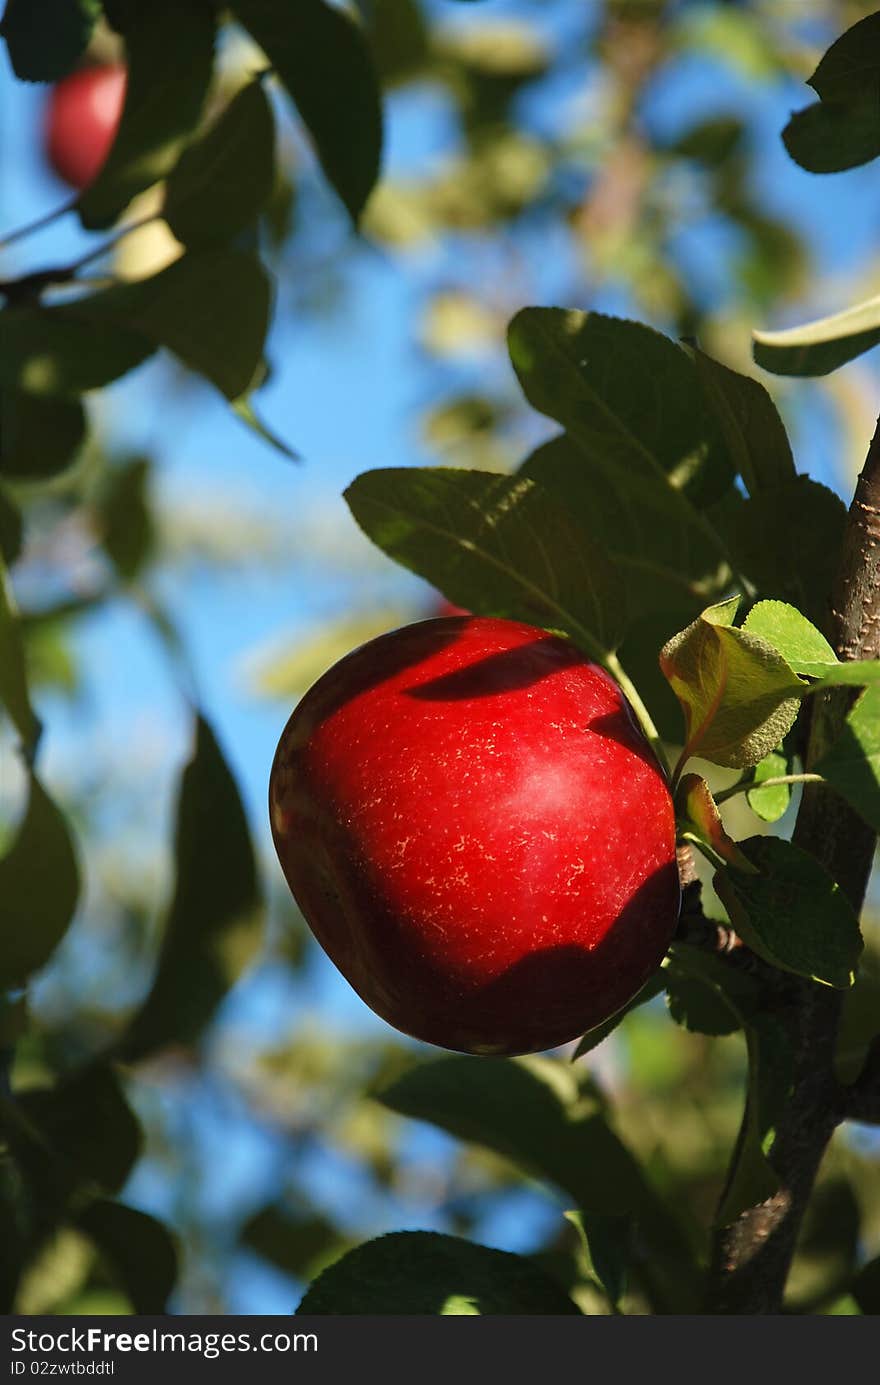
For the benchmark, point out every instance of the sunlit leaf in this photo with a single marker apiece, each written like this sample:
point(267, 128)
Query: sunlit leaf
point(698, 814)
point(798, 641)
point(770, 803)
point(852, 765)
point(819, 347)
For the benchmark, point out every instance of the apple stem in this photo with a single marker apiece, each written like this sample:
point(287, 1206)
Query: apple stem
point(21, 231)
point(775, 781)
point(643, 716)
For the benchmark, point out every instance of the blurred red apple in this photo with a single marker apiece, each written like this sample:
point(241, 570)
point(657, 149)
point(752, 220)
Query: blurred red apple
point(81, 121)
point(478, 834)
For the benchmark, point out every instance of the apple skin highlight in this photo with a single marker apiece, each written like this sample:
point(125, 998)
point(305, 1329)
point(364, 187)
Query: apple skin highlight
point(478, 834)
point(81, 120)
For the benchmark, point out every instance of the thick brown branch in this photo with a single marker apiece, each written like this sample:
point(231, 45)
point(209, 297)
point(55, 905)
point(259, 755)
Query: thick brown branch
point(751, 1257)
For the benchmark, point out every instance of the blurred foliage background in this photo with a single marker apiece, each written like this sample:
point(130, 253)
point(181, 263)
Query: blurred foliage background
point(622, 155)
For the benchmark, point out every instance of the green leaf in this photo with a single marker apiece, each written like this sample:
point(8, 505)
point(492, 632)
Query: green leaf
point(14, 694)
point(533, 1111)
point(624, 393)
point(399, 39)
point(699, 816)
point(752, 1178)
point(140, 1252)
point(56, 350)
point(866, 1287)
point(125, 519)
point(608, 1241)
point(792, 913)
point(321, 55)
point(705, 994)
point(852, 63)
point(594, 1037)
point(660, 545)
point(786, 540)
point(45, 40)
point(819, 347)
point(11, 536)
point(770, 804)
point(224, 179)
point(798, 641)
point(421, 1272)
point(212, 930)
point(859, 1019)
point(245, 410)
point(87, 1120)
point(210, 307)
point(169, 54)
point(749, 422)
point(495, 545)
point(738, 695)
point(831, 136)
point(294, 1244)
point(40, 437)
point(852, 765)
point(39, 886)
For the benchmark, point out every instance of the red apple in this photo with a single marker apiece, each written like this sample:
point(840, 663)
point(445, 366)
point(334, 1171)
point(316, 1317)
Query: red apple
point(478, 834)
point(81, 121)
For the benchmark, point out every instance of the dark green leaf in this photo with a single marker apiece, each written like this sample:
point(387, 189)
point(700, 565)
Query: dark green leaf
point(660, 545)
point(770, 804)
point(819, 347)
point(56, 350)
point(852, 765)
point(495, 545)
point(40, 436)
point(786, 540)
point(415, 1272)
point(139, 1250)
point(45, 39)
point(169, 51)
point(321, 55)
point(294, 1244)
point(87, 1121)
point(225, 178)
point(245, 410)
point(398, 39)
point(831, 136)
point(608, 1242)
point(852, 63)
point(11, 532)
point(211, 308)
point(749, 423)
point(752, 1178)
point(594, 1037)
point(212, 929)
point(125, 519)
point(14, 695)
point(792, 913)
point(866, 1287)
point(624, 393)
point(710, 142)
point(738, 695)
point(39, 886)
point(705, 994)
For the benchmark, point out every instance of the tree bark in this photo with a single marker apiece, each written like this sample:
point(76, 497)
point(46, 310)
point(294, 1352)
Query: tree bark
point(752, 1256)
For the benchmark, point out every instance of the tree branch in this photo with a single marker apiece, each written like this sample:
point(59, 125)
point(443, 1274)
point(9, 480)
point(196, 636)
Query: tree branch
point(751, 1257)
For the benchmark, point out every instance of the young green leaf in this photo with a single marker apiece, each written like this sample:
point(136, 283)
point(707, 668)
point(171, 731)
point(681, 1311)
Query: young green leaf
point(14, 694)
point(169, 54)
point(45, 41)
point(852, 765)
point(752, 1177)
point(422, 1272)
point(792, 913)
point(819, 347)
point(698, 814)
point(140, 1251)
point(40, 437)
point(496, 545)
point(39, 886)
point(212, 931)
point(224, 179)
point(321, 55)
point(792, 635)
point(624, 393)
point(739, 695)
point(749, 423)
point(769, 804)
point(786, 541)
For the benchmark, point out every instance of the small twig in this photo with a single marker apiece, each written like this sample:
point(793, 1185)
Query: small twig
point(21, 231)
point(774, 782)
